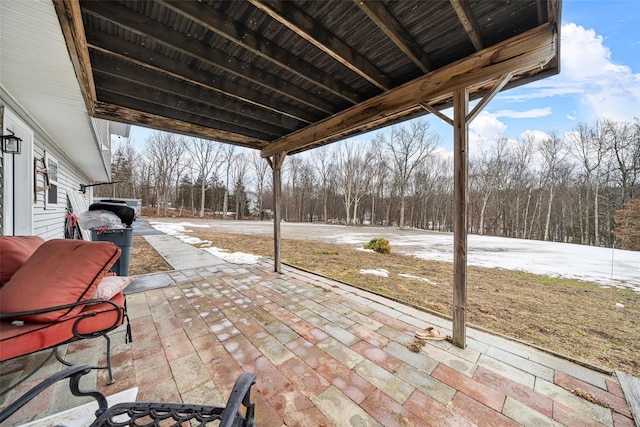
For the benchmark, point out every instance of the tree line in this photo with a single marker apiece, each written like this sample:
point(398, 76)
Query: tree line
point(555, 188)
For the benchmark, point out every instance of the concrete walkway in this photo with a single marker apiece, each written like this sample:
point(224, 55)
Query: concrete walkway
point(181, 255)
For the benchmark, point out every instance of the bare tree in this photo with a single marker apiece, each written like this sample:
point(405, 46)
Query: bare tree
point(405, 149)
point(588, 146)
point(165, 154)
point(205, 157)
point(522, 178)
point(261, 172)
point(323, 166)
point(353, 172)
point(624, 140)
point(239, 172)
point(228, 156)
point(553, 154)
point(124, 163)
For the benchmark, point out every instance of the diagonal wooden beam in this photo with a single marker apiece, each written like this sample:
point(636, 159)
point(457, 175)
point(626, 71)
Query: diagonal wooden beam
point(497, 87)
point(520, 54)
point(215, 21)
point(378, 13)
point(468, 22)
point(311, 30)
point(436, 112)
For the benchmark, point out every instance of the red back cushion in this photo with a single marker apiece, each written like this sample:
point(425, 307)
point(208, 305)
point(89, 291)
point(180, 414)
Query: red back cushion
point(59, 272)
point(14, 251)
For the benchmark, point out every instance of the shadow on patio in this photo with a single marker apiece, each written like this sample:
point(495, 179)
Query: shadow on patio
point(325, 354)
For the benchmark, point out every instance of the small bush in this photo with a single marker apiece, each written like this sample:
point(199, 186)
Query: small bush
point(380, 245)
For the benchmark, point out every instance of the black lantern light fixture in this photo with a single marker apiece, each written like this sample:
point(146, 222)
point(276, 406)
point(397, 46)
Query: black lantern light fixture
point(11, 143)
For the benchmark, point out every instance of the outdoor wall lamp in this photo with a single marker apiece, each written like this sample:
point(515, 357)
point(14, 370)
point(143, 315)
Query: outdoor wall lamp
point(11, 143)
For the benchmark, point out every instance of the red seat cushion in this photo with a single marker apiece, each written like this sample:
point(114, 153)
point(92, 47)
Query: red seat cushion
point(14, 251)
point(20, 340)
point(60, 271)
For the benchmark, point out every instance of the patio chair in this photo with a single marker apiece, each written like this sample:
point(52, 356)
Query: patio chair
point(151, 413)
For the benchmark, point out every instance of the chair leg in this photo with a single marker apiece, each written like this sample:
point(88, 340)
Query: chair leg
point(107, 367)
point(111, 380)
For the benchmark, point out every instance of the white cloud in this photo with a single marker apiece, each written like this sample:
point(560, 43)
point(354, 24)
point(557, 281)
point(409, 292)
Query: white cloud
point(484, 130)
point(603, 88)
point(533, 113)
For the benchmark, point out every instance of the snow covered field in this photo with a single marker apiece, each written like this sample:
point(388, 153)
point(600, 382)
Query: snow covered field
point(600, 265)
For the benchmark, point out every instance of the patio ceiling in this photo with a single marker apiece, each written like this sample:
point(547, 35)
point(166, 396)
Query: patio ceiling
point(284, 77)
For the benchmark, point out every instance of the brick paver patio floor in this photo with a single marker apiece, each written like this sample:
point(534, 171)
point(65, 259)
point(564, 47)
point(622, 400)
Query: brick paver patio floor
point(326, 354)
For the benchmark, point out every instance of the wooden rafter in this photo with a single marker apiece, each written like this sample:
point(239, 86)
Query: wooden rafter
point(468, 22)
point(166, 35)
point(540, 10)
point(378, 13)
point(170, 105)
point(518, 54)
point(213, 21)
point(140, 56)
point(126, 115)
point(312, 31)
point(118, 76)
point(73, 31)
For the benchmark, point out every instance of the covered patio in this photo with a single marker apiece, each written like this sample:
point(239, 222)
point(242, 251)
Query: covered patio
point(286, 77)
point(325, 354)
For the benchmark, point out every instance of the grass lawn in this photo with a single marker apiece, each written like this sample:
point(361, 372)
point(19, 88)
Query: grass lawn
point(571, 317)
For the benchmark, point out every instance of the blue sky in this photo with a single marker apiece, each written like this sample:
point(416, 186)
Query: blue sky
point(599, 78)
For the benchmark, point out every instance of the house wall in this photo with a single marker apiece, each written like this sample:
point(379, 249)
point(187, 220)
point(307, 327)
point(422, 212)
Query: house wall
point(48, 218)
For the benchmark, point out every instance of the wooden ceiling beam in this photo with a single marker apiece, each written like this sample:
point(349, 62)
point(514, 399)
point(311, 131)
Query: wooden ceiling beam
point(520, 54)
point(110, 67)
point(312, 31)
point(121, 114)
point(129, 100)
point(146, 95)
point(126, 18)
point(157, 120)
point(128, 52)
point(388, 24)
point(253, 42)
point(70, 17)
point(468, 22)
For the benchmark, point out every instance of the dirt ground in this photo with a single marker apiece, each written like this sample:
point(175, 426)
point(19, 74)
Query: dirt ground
point(143, 259)
point(572, 317)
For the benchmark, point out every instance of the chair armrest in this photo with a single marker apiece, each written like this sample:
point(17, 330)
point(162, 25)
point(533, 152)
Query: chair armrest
point(10, 316)
point(74, 373)
point(241, 394)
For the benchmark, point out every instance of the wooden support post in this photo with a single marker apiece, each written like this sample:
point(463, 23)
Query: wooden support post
point(460, 195)
point(276, 166)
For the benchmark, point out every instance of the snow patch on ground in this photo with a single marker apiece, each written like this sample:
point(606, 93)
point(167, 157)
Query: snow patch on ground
point(377, 272)
point(603, 266)
point(235, 257)
point(178, 229)
point(411, 276)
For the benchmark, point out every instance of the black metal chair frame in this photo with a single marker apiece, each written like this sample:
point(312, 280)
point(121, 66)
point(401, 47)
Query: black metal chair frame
point(122, 314)
point(151, 413)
